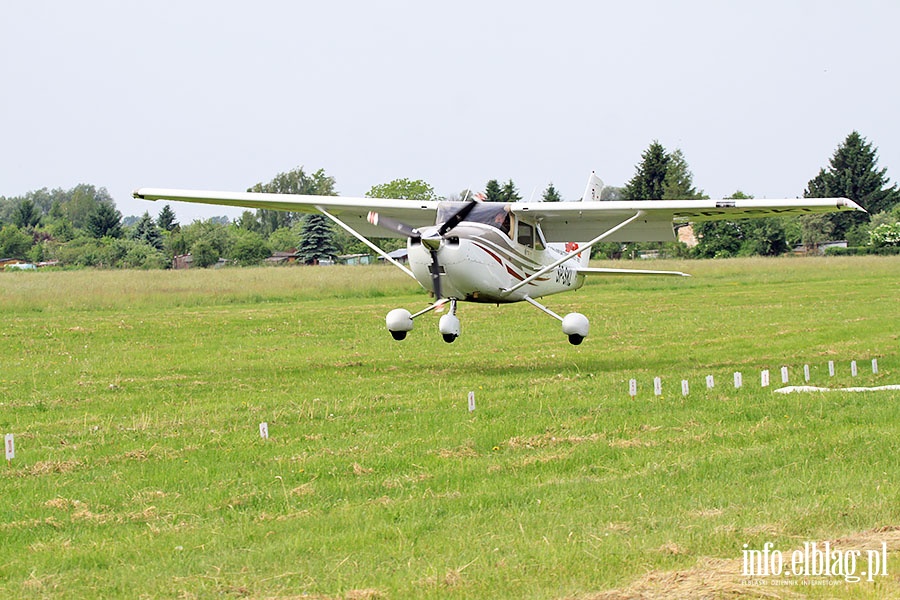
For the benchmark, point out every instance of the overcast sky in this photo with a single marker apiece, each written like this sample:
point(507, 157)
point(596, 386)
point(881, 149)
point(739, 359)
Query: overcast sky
point(223, 94)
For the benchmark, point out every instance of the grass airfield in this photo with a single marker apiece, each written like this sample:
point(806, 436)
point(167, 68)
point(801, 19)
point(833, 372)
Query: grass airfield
point(136, 397)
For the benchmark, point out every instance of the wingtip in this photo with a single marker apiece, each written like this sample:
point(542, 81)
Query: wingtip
point(847, 203)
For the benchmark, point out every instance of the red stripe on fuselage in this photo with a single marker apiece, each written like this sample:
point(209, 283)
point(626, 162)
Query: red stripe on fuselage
point(508, 268)
point(494, 256)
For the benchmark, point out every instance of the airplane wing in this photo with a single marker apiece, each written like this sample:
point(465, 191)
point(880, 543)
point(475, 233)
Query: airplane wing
point(577, 221)
point(352, 211)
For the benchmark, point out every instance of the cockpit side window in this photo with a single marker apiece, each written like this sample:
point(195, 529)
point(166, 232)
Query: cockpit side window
point(530, 235)
point(525, 235)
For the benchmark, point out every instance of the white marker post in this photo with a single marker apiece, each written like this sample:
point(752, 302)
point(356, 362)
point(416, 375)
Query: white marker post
point(10, 447)
point(784, 374)
point(853, 370)
point(710, 382)
point(738, 379)
point(684, 387)
point(632, 388)
point(471, 401)
point(264, 430)
point(874, 366)
point(764, 378)
point(657, 386)
point(831, 368)
point(806, 373)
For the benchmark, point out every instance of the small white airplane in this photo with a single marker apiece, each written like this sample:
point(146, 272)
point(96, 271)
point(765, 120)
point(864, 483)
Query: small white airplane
point(496, 253)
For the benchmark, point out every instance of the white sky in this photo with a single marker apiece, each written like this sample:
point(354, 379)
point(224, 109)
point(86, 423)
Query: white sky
point(224, 94)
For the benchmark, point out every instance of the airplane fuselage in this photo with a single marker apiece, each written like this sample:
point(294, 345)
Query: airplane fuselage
point(478, 261)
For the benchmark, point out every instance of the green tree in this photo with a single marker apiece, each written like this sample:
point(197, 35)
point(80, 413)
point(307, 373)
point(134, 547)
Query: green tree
point(492, 191)
point(105, 221)
point(815, 229)
point(14, 243)
point(222, 236)
point(718, 239)
point(886, 234)
point(316, 240)
point(764, 237)
point(147, 232)
point(853, 173)
point(284, 239)
point(649, 181)
point(404, 189)
point(27, 215)
point(509, 193)
point(165, 220)
point(249, 221)
point(551, 194)
point(82, 203)
point(204, 253)
point(250, 249)
point(678, 181)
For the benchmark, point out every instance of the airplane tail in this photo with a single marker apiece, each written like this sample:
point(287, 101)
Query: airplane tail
point(593, 189)
point(591, 194)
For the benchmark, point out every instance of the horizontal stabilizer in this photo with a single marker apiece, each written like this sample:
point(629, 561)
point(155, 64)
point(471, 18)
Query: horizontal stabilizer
point(600, 271)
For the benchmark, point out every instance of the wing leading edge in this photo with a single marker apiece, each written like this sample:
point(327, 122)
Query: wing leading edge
point(560, 221)
point(352, 211)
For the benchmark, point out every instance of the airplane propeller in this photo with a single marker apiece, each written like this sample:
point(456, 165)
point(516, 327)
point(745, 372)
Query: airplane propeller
point(432, 243)
point(394, 225)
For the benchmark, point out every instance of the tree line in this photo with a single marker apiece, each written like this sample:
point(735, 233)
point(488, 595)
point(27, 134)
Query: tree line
point(81, 227)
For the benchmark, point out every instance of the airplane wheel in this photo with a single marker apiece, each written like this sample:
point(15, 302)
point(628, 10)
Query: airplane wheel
point(398, 335)
point(449, 337)
point(576, 339)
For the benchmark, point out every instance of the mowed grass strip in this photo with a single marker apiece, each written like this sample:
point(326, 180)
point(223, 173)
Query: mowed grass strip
point(135, 400)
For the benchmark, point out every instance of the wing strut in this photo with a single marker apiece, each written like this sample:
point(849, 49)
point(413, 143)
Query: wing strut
point(366, 241)
point(575, 252)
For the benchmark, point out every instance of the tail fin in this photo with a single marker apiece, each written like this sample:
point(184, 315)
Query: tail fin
point(591, 194)
point(593, 189)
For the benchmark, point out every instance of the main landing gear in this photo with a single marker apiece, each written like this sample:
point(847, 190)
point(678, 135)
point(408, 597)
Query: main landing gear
point(400, 322)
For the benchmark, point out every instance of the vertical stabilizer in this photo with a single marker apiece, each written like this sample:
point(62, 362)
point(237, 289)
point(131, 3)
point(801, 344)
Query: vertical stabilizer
point(593, 189)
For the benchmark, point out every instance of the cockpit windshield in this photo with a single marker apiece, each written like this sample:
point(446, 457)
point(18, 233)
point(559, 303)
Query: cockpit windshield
point(495, 214)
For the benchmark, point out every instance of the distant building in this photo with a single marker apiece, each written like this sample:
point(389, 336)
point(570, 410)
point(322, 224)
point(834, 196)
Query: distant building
point(818, 249)
point(686, 235)
point(288, 257)
point(186, 261)
point(400, 255)
point(182, 261)
point(355, 259)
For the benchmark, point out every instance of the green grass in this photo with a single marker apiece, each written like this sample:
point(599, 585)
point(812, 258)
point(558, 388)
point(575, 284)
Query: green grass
point(135, 399)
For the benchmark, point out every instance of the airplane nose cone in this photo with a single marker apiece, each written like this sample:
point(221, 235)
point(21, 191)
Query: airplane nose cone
point(432, 242)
